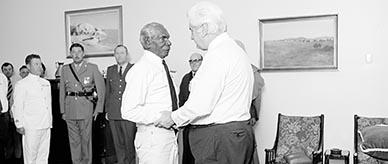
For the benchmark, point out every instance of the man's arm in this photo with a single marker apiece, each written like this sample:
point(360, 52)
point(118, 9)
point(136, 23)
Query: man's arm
point(3, 96)
point(206, 90)
point(107, 91)
point(258, 83)
point(62, 91)
point(100, 86)
point(18, 105)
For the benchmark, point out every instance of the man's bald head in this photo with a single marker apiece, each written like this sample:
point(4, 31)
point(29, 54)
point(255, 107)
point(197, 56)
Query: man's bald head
point(195, 61)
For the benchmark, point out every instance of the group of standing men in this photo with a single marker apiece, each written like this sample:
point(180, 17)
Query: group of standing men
point(28, 105)
point(216, 114)
point(141, 103)
point(84, 95)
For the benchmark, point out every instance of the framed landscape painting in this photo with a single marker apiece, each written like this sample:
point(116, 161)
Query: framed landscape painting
point(298, 43)
point(99, 30)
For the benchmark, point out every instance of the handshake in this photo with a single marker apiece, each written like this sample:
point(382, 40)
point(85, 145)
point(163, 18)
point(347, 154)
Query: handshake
point(165, 121)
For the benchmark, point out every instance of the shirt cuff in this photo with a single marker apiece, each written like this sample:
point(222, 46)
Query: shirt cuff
point(177, 118)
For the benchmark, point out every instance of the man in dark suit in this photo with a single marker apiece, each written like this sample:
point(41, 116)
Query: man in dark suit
point(123, 131)
point(76, 104)
point(184, 91)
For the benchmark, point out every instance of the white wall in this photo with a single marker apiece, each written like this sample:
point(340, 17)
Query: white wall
point(356, 88)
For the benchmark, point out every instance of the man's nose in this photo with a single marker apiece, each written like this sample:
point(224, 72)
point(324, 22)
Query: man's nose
point(169, 42)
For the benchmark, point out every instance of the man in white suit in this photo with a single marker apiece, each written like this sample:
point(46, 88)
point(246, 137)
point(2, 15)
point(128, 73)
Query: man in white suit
point(32, 112)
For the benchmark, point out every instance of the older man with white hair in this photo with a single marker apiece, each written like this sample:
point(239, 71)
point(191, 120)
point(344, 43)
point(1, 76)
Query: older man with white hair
point(217, 110)
point(148, 92)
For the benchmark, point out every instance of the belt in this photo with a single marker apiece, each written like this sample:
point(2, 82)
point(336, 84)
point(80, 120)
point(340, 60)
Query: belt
point(79, 94)
point(150, 128)
point(190, 126)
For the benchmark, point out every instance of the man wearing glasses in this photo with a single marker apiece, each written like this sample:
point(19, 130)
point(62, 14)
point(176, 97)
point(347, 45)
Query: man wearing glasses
point(184, 91)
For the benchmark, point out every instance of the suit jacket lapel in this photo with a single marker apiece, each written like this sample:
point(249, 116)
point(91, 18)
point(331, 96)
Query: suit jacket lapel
point(129, 65)
point(115, 71)
point(191, 76)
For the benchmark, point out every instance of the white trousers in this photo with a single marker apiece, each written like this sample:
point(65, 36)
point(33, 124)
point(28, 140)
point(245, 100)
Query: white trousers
point(156, 145)
point(36, 146)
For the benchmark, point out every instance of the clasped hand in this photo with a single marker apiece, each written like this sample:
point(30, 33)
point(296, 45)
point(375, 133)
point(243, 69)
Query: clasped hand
point(165, 120)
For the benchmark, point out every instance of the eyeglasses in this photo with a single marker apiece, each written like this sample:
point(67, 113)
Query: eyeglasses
point(195, 60)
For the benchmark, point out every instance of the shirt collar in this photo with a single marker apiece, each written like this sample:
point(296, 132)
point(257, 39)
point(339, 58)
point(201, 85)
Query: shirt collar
point(80, 64)
point(123, 66)
point(30, 75)
point(216, 41)
point(153, 57)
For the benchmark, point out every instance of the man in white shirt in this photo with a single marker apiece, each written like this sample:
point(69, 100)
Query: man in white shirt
point(3, 93)
point(4, 119)
point(32, 112)
point(148, 92)
point(221, 93)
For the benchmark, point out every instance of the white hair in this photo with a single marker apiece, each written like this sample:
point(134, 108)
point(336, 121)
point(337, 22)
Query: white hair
point(209, 13)
point(148, 32)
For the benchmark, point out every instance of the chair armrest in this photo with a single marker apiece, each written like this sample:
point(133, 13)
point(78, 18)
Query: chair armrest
point(270, 155)
point(317, 156)
point(355, 158)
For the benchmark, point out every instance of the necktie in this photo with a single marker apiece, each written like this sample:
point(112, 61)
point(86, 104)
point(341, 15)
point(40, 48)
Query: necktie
point(121, 71)
point(10, 90)
point(172, 88)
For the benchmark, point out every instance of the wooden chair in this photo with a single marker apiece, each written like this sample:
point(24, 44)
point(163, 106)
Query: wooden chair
point(297, 133)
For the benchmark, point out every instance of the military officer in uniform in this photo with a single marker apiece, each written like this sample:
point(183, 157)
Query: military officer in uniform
point(123, 131)
point(32, 112)
point(79, 82)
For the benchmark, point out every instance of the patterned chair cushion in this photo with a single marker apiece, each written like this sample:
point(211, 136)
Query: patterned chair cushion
point(364, 122)
point(297, 134)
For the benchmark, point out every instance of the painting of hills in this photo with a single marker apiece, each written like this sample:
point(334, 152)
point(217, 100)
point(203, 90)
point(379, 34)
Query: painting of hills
point(299, 43)
point(299, 52)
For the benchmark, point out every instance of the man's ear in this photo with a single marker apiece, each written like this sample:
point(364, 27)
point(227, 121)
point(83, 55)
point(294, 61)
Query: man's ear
point(147, 42)
point(204, 30)
point(28, 66)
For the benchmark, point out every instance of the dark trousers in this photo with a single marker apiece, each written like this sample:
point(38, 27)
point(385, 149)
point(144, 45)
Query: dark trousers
point(123, 133)
point(187, 156)
point(4, 122)
point(80, 139)
point(229, 143)
point(14, 143)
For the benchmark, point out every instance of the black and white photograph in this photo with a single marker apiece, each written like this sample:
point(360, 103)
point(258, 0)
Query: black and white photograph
point(193, 82)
